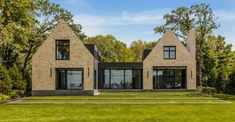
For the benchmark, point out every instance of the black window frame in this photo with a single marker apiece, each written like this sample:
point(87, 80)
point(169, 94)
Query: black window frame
point(66, 70)
point(124, 78)
point(56, 44)
point(165, 76)
point(169, 52)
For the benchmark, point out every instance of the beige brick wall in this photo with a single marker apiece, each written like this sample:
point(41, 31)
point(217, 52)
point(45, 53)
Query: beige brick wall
point(44, 60)
point(183, 58)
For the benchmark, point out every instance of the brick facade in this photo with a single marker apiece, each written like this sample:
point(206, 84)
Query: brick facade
point(183, 59)
point(44, 62)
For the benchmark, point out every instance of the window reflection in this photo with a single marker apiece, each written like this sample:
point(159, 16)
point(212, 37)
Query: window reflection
point(168, 78)
point(122, 79)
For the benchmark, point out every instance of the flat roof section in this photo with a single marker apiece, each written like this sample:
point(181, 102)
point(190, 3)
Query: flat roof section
point(121, 65)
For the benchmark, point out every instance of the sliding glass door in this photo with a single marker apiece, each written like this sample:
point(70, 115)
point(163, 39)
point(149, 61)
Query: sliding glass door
point(169, 78)
point(69, 79)
point(122, 79)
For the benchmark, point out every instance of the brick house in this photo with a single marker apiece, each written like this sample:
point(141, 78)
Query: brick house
point(63, 65)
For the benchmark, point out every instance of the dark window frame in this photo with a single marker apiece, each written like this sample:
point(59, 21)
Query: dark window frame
point(68, 69)
point(184, 76)
point(63, 46)
point(169, 52)
point(124, 76)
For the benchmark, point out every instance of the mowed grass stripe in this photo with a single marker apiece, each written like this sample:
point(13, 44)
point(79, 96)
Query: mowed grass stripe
point(62, 98)
point(47, 100)
point(117, 103)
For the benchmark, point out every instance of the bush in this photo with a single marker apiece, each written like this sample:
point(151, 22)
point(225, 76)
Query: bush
point(3, 98)
point(19, 85)
point(208, 90)
point(5, 81)
point(230, 86)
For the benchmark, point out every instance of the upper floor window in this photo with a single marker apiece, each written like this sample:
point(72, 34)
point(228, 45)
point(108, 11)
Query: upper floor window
point(169, 52)
point(62, 49)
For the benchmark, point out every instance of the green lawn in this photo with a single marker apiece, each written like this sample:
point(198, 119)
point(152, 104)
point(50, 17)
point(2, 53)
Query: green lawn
point(103, 113)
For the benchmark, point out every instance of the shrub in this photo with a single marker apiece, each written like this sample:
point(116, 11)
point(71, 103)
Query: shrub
point(19, 85)
point(230, 86)
point(3, 98)
point(5, 81)
point(208, 90)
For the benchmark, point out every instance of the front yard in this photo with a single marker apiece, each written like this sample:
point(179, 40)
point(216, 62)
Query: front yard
point(122, 106)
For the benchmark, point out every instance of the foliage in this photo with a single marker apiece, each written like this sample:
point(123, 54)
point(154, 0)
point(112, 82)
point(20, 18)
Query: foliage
point(218, 62)
point(208, 90)
point(230, 86)
point(138, 47)
point(112, 50)
point(5, 81)
point(3, 98)
point(19, 85)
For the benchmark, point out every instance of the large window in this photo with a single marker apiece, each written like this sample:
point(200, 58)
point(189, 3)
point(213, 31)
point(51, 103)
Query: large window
point(122, 79)
point(169, 52)
point(169, 78)
point(69, 79)
point(62, 49)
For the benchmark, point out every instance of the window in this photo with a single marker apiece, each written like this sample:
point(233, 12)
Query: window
point(169, 78)
point(169, 52)
point(62, 49)
point(69, 79)
point(122, 79)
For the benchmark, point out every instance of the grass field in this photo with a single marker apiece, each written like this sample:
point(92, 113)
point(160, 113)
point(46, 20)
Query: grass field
point(122, 112)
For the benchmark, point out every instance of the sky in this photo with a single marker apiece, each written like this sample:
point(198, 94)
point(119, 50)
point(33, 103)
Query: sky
point(130, 20)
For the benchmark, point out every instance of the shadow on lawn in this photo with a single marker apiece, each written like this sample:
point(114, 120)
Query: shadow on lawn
point(225, 96)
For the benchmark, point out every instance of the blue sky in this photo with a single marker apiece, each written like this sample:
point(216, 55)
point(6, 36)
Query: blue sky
point(130, 20)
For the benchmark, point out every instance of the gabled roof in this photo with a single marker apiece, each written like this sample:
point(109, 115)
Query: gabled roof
point(61, 27)
point(172, 39)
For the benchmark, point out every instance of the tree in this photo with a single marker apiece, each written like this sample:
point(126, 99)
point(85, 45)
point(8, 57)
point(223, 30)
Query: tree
point(138, 47)
point(112, 50)
point(17, 21)
point(183, 19)
point(218, 62)
point(18, 83)
point(5, 81)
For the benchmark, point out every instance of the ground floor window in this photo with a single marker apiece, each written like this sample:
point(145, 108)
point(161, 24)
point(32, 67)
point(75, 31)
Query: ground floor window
point(169, 78)
point(69, 79)
point(122, 79)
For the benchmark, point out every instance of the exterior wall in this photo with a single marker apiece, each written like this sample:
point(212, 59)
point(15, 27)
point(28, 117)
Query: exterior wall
point(96, 69)
point(44, 60)
point(183, 58)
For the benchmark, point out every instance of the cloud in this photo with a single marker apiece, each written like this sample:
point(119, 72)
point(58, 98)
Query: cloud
point(129, 26)
point(125, 18)
point(98, 24)
point(224, 15)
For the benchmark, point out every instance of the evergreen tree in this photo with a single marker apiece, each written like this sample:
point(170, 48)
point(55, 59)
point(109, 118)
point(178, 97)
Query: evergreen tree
point(5, 81)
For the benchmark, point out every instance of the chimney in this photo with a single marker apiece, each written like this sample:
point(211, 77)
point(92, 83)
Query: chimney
point(191, 43)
